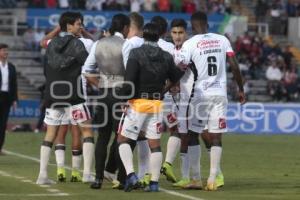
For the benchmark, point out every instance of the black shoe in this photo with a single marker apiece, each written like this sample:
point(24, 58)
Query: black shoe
point(97, 184)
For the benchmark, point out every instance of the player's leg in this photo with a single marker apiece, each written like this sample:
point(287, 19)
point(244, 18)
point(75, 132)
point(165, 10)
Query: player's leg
point(183, 131)
point(52, 119)
point(76, 153)
point(81, 116)
point(143, 153)
point(206, 139)
point(216, 126)
point(173, 147)
point(60, 148)
point(130, 130)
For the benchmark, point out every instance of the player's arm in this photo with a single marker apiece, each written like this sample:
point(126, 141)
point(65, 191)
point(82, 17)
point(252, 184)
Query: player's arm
point(89, 69)
point(131, 77)
point(237, 76)
point(87, 34)
point(49, 36)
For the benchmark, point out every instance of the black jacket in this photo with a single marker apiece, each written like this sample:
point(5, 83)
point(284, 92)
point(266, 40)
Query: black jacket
point(148, 68)
point(13, 86)
point(65, 56)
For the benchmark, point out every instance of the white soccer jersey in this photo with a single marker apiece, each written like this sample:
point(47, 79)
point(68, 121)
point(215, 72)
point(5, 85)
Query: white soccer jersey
point(166, 46)
point(130, 44)
point(208, 52)
point(186, 82)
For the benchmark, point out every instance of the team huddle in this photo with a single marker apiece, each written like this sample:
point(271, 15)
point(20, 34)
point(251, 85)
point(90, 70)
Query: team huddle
point(141, 82)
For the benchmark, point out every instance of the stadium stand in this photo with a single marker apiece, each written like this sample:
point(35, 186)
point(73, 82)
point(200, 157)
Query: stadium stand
point(256, 52)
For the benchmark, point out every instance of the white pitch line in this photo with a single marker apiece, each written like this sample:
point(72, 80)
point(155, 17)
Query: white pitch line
point(185, 196)
point(53, 190)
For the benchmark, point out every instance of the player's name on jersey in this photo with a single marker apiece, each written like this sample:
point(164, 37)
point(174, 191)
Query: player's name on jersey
point(210, 51)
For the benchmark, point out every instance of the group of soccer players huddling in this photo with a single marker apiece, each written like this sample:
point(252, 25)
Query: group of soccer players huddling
point(144, 82)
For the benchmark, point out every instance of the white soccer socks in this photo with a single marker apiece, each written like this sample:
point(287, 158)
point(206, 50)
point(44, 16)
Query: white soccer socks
point(194, 154)
point(76, 159)
point(185, 165)
point(60, 154)
point(173, 147)
point(126, 157)
point(88, 150)
point(155, 165)
point(143, 157)
point(215, 159)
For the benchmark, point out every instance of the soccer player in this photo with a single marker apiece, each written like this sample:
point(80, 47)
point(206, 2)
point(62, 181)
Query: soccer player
point(60, 146)
point(65, 56)
point(148, 68)
point(210, 52)
point(180, 140)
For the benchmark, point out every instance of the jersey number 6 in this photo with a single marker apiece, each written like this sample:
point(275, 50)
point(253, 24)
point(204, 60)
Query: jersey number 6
point(212, 67)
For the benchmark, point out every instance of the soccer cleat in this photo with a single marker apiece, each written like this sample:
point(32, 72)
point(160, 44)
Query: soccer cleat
point(61, 174)
point(152, 187)
point(117, 185)
point(132, 182)
point(220, 180)
point(194, 185)
point(182, 183)
point(145, 180)
point(44, 181)
point(109, 176)
point(75, 177)
point(167, 170)
point(211, 187)
point(87, 178)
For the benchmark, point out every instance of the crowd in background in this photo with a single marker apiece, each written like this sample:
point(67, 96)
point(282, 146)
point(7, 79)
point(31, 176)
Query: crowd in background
point(186, 6)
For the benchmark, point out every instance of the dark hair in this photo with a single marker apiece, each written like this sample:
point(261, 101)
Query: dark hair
point(150, 32)
point(179, 23)
point(137, 20)
point(199, 16)
point(118, 22)
point(3, 46)
point(69, 18)
point(161, 23)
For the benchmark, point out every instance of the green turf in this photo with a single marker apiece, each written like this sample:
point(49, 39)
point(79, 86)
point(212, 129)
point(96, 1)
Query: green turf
point(255, 167)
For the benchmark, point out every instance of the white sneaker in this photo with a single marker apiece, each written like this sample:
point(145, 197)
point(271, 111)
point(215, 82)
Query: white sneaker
point(44, 181)
point(110, 176)
point(87, 178)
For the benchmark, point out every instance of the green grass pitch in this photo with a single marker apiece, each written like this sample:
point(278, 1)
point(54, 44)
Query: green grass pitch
point(255, 167)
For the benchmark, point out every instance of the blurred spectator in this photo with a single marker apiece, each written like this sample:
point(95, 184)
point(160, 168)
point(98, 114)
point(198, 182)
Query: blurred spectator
point(163, 5)
point(148, 5)
point(287, 56)
point(112, 5)
point(276, 14)
point(63, 4)
point(135, 5)
point(51, 4)
point(292, 8)
point(189, 6)
point(176, 5)
point(8, 3)
point(274, 76)
point(37, 3)
point(261, 9)
point(94, 4)
point(124, 4)
point(29, 39)
point(38, 36)
point(290, 83)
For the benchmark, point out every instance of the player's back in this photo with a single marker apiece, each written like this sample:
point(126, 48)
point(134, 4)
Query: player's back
point(208, 52)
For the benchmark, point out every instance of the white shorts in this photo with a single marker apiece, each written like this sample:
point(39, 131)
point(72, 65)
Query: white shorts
point(182, 117)
point(208, 113)
point(135, 122)
point(75, 114)
point(170, 109)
